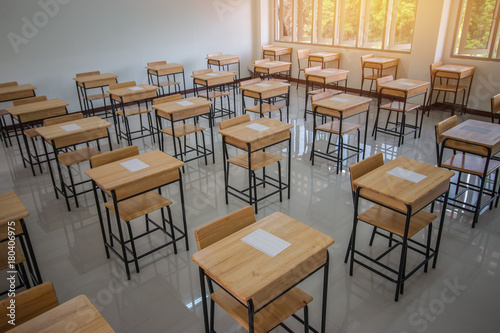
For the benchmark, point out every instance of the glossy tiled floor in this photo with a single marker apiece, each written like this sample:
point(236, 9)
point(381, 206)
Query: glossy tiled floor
point(461, 295)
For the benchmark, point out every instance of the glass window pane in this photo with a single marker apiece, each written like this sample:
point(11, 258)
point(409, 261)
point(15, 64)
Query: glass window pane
point(285, 19)
point(374, 23)
point(326, 15)
point(479, 27)
point(349, 22)
point(304, 19)
point(405, 24)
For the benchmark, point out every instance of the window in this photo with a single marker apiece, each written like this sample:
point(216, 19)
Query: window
point(378, 24)
point(478, 33)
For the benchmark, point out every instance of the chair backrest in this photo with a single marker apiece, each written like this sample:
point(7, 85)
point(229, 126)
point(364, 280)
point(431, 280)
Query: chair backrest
point(302, 54)
point(202, 71)
point(209, 55)
point(383, 80)
point(8, 84)
point(156, 63)
point(321, 95)
point(63, 119)
point(363, 167)
point(434, 66)
point(261, 61)
point(234, 121)
point(29, 304)
point(167, 99)
point(29, 100)
point(113, 156)
point(88, 73)
point(251, 81)
point(495, 104)
point(223, 227)
point(122, 85)
point(443, 126)
point(365, 58)
point(312, 69)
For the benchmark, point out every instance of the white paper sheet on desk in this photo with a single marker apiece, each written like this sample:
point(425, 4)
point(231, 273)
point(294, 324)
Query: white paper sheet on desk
point(185, 103)
point(266, 242)
point(212, 74)
point(407, 83)
point(341, 100)
point(71, 127)
point(476, 129)
point(257, 127)
point(449, 68)
point(262, 84)
point(136, 88)
point(270, 63)
point(406, 174)
point(134, 165)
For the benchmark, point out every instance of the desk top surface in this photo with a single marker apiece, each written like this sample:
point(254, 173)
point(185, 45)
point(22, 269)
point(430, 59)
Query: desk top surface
point(266, 127)
point(342, 102)
point(36, 106)
point(11, 207)
point(79, 314)
point(245, 270)
point(97, 77)
point(224, 57)
point(327, 72)
point(128, 91)
point(272, 64)
point(182, 105)
point(16, 88)
point(278, 49)
point(477, 132)
point(65, 129)
point(381, 60)
point(113, 175)
point(264, 86)
point(403, 84)
point(324, 54)
point(214, 75)
point(404, 180)
point(453, 68)
point(164, 66)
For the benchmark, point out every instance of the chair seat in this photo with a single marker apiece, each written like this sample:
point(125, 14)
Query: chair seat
point(213, 94)
point(31, 133)
point(320, 90)
point(97, 97)
point(183, 130)
point(4, 258)
point(372, 77)
point(334, 127)
point(449, 87)
point(167, 83)
point(394, 222)
point(140, 205)
point(266, 108)
point(269, 317)
point(77, 156)
point(398, 106)
point(470, 163)
point(260, 160)
point(133, 111)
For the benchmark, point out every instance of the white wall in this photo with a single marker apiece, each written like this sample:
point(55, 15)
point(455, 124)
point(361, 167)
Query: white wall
point(117, 36)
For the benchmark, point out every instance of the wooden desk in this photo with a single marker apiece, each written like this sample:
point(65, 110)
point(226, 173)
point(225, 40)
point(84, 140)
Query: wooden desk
point(277, 51)
point(378, 65)
point(224, 60)
point(75, 315)
point(273, 67)
point(455, 72)
point(12, 93)
point(13, 210)
point(324, 58)
point(221, 80)
point(165, 70)
point(58, 136)
point(476, 132)
point(265, 91)
point(341, 106)
point(402, 89)
point(138, 93)
point(32, 112)
point(120, 184)
point(326, 76)
point(255, 278)
point(251, 140)
point(406, 195)
point(84, 83)
point(178, 110)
